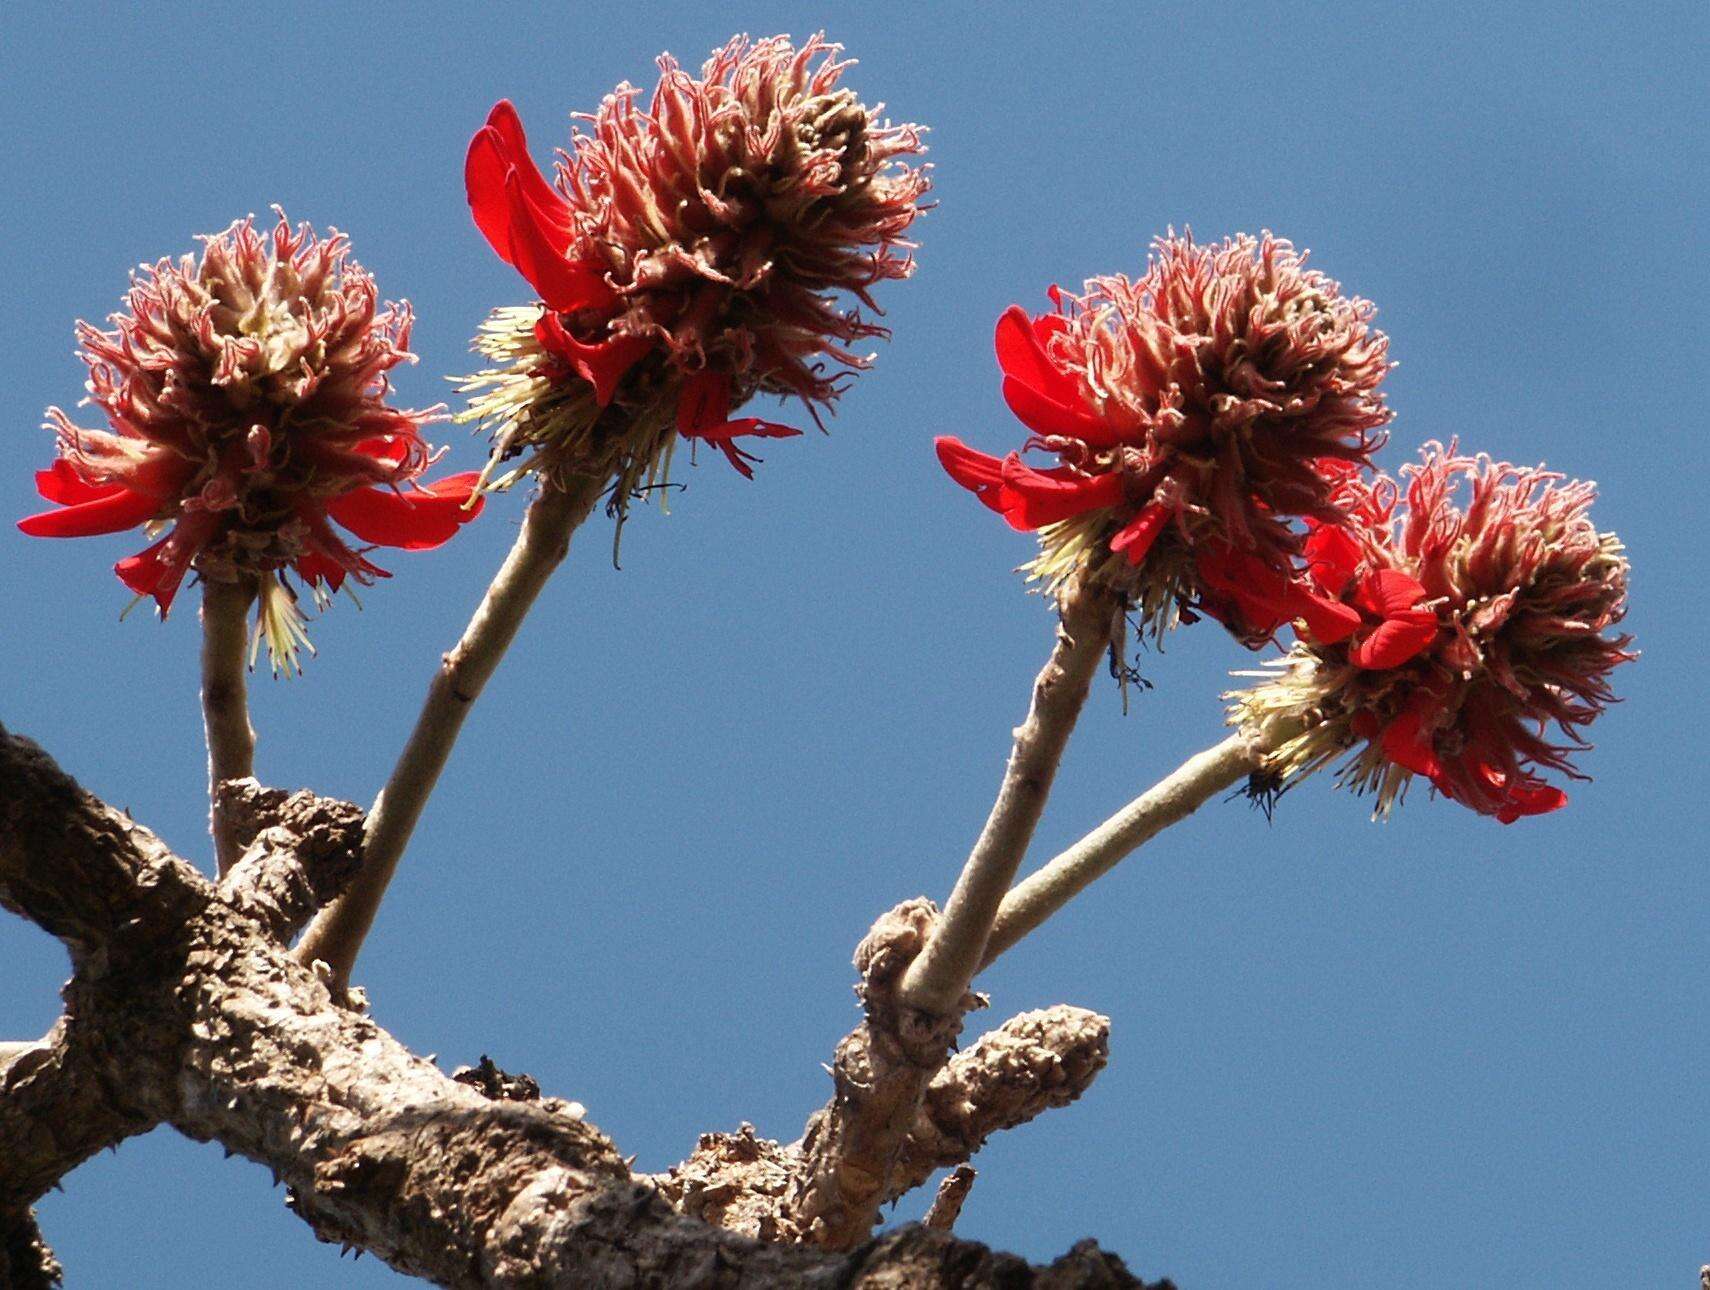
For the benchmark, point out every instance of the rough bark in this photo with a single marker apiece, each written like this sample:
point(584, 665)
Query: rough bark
point(879, 1075)
point(952, 1195)
point(186, 1009)
point(26, 1262)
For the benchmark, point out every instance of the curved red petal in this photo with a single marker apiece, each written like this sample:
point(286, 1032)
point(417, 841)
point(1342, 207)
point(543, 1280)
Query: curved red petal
point(1034, 498)
point(1387, 592)
point(703, 402)
point(564, 285)
point(1393, 642)
point(602, 365)
point(315, 567)
point(1328, 621)
point(109, 513)
point(1332, 557)
point(416, 520)
point(1043, 397)
point(60, 483)
point(1406, 743)
point(507, 128)
point(484, 171)
point(1135, 538)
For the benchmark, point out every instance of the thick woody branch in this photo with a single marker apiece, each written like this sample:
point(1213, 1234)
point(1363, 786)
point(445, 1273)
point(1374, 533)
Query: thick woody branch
point(336, 936)
point(199, 1020)
point(225, 701)
point(947, 1205)
point(1014, 1074)
point(1174, 798)
point(941, 974)
point(879, 1075)
point(76, 867)
point(299, 851)
point(26, 1262)
point(56, 1111)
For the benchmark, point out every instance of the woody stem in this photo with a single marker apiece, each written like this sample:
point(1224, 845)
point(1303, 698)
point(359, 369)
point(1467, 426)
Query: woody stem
point(1172, 799)
point(939, 977)
point(336, 935)
point(225, 700)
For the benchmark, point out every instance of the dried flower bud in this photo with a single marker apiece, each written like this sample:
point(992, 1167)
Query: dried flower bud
point(689, 256)
point(245, 393)
point(1449, 635)
point(1193, 414)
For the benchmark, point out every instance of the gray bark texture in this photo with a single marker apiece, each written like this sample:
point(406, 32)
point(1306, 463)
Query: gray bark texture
point(186, 1008)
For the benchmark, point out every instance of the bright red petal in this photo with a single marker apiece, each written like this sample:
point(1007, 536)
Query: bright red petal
point(1406, 743)
point(1034, 498)
point(1332, 557)
point(315, 567)
point(1394, 641)
point(703, 402)
point(417, 519)
point(1044, 398)
point(978, 472)
point(1327, 621)
point(60, 483)
point(109, 513)
point(602, 365)
point(507, 128)
point(1135, 538)
point(564, 285)
point(1388, 592)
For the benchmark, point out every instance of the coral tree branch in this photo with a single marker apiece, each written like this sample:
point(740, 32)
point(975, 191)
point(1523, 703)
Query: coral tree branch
point(225, 701)
point(336, 936)
point(183, 1010)
point(1172, 799)
point(939, 977)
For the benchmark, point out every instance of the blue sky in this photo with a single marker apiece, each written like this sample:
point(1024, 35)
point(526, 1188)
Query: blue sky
point(1437, 1051)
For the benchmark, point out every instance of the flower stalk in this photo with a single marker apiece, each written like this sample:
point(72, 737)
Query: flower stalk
point(336, 935)
point(940, 976)
point(1171, 800)
point(225, 701)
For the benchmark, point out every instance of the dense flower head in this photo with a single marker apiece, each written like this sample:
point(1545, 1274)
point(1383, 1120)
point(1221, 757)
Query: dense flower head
point(690, 253)
point(245, 395)
point(1462, 613)
point(1195, 414)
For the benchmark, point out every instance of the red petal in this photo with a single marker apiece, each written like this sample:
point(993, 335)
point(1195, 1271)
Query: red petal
point(1332, 557)
point(1136, 537)
point(602, 365)
point(418, 519)
point(978, 472)
point(1406, 744)
point(1327, 621)
point(704, 401)
point(1395, 641)
point(315, 567)
point(159, 570)
point(109, 513)
point(1044, 398)
point(1388, 592)
point(564, 285)
point(507, 128)
point(498, 147)
point(1034, 498)
point(60, 483)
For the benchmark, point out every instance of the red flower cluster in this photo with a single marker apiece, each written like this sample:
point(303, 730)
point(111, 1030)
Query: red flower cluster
point(689, 256)
point(246, 398)
point(1194, 414)
point(1451, 635)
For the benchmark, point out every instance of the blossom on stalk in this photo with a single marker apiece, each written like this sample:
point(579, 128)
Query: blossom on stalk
point(687, 256)
point(245, 394)
point(1462, 617)
point(1194, 414)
